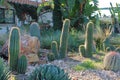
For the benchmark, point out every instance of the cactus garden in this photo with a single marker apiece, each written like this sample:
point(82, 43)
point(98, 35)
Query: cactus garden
point(59, 40)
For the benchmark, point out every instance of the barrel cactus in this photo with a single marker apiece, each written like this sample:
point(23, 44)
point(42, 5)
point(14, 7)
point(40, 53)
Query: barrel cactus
point(4, 72)
point(112, 61)
point(54, 48)
point(64, 38)
point(89, 39)
point(48, 72)
point(34, 30)
point(14, 48)
point(22, 64)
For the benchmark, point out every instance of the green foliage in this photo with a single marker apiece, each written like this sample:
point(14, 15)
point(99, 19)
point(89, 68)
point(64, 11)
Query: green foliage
point(112, 61)
point(54, 48)
point(22, 64)
point(64, 39)
point(14, 48)
point(57, 15)
point(48, 72)
point(82, 50)
point(51, 57)
point(88, 64)
point(89, 39)
point(34, 30)
point(4, 72)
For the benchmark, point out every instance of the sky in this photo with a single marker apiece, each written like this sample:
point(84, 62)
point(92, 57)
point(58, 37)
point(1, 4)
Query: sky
point(106, 3)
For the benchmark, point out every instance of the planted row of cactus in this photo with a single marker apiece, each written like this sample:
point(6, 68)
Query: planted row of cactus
point(87, 49)
point(112, 61)
point(16, 63)
point(48, 72)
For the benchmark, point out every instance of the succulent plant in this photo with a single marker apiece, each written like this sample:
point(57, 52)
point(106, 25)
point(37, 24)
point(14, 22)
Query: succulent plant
point(48, 72)
point(51, 57)
point(54, 48)
point(14, 48)
point(34, 30)
point(112, 61)
point(82, 50)
point(89, 39)
point(22, 64)
point(4, 72)
point(64, 39)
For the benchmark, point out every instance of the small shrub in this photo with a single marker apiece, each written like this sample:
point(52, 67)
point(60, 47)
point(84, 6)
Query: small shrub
point(51, 57)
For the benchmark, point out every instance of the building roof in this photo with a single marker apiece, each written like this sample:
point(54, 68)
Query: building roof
point(28, 2)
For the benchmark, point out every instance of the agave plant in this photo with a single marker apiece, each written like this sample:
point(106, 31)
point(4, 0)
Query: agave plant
point(48, 72)
point(4, 72)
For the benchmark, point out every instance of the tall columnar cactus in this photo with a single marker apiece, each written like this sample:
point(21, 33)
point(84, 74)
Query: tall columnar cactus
point(112, 61)
point(22, 64)
point(14, 48)
point(89, 39)
point(54, 48)
point(35, 30)
point(64, 38)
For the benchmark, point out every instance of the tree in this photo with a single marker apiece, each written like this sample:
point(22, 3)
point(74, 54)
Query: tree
point(57, 15)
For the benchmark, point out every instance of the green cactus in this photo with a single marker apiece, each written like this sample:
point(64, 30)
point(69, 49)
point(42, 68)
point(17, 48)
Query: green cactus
point(22, 64)
point(14, 48)
point(89, 39)
point(54, 48)
point(4, 72)
point(51, 57)
point(48, 72)
point(34, 30)
point(112, 61)
point(64, 38)
point(82, 50)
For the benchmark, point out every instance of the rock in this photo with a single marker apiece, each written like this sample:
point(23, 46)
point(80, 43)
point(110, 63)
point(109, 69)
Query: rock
point(32, 58)
point(29, 45)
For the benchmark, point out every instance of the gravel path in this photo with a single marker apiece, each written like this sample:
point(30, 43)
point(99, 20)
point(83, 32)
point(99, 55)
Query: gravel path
point(86, 74)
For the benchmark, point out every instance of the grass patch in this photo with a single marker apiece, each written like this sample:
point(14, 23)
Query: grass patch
point(88, 64)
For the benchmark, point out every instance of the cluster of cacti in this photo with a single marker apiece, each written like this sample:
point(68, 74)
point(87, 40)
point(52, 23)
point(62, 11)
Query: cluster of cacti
point(87, 49)
point(15, 63)
point(112, 61)
point(48, 72)
point(51, 57)
point(4, 72)
point(64, 38)
point(35, 30)
point(54, 48)
point(22, 65)
point(14, 48)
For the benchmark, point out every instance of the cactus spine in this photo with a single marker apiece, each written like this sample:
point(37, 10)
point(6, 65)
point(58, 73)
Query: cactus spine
point(112, 61)
point(14, 48)
point(34, 30)
point(54, 48)
point(22, 64)
point(64, 38)
point(89, 39)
